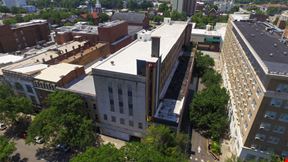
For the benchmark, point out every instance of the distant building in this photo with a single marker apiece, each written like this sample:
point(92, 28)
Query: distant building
point(132, 82)
point(255, 73)
point(22, 35)
point(14, 3)
point(209, 39)
point(224, 5)
point(115, 33)
point(184, 6)
point(283, 20)
point(30, 8)
point(132, 18)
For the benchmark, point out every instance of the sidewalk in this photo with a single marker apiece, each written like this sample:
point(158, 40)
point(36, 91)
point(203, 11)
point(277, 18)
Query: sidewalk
point(118, 143)
point(225, 149)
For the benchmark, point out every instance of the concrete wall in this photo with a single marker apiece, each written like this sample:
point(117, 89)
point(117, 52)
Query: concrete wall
point(105, 79)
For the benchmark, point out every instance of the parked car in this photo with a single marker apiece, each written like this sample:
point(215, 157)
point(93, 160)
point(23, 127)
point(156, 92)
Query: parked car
point(39, 140)
point(62, 147)
point(2, 126)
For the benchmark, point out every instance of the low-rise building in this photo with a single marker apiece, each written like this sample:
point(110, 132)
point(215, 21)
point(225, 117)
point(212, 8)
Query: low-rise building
point(23, 35)
point(132, 18)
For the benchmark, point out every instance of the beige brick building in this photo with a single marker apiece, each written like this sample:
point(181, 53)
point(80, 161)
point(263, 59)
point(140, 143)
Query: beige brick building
point(255, 71)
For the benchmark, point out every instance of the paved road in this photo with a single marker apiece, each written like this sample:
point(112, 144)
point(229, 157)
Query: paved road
point(200, 149)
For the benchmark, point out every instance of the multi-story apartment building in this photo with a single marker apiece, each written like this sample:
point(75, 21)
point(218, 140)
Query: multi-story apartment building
point(255, 71)
point(129, 84)
point(22, 35)
point(186, 6)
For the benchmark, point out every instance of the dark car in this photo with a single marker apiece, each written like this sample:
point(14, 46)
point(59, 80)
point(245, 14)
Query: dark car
point(62, 147)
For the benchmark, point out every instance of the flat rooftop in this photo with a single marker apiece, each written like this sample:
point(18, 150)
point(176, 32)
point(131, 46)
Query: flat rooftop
point(4, 59)
point(124, 60)
point(84, 85)
point(54, 73)
point(266, 44)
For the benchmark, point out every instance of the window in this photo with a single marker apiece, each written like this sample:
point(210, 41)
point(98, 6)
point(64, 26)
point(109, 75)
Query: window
point(110, 90)
point(131, 124)
point(140, 125)
point(273, 140)
point(121, 110)
point(279, 129)
point(245, 125)
point(276, 102)
point(105, 117)
point(253, 104)
point(270, 115)
point(112, 108)
point(122, 121)
point(113, 118)
point(283, 117)
point(94, 106)
point(96, 117)
point(120, 91)
point(86, 104)
point(282, 88)
point(249, 115)
point(258, 92)
point(129, 93)
point(29, 88)
point(130, 109)
point(285, 104)
point(260, 137)
point(265, 126)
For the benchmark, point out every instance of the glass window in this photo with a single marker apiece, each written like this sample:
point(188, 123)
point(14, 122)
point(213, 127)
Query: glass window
point(120, 91)
point(94, 106)
point(270, 114)
point(279, 129)
point(110, 90)
point(276, 102)
point(129, 93)
point(113, 118)
point(283, 117)
point(105, 117)
point(112, 108)
point(273, 140)
point(29, 88)
point(282, 88)
point(130, 110)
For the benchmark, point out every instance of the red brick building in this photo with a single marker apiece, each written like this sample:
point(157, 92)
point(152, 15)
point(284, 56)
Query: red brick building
point(22, 35)
point(114, 33)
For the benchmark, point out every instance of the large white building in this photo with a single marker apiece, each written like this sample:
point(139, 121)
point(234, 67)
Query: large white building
point(130, 83)
point(14, 3)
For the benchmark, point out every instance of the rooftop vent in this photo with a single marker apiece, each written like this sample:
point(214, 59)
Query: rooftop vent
point(112, 63)
point(275, 44)
point(271, 54)
point(252, 35)
point(285, 53)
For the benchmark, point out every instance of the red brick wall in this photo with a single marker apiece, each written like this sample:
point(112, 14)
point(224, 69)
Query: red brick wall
point(7, 39)
point(118, 46)
point(111, 34)
point(63, 37)
point(71, 76)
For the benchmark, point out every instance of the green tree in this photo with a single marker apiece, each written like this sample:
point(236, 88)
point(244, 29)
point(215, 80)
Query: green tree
point(203, 63)
point(103, 17)
point(4, 9)
point(63, 122)
point(10, 21)
point(163, 7)
point(6, 148)
point(104, 153)
point(211, 77)
point(11, 106)
point(176, 16)
point(208, 111)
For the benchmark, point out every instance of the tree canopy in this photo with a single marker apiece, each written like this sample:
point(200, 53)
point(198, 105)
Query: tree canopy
point(159, 145)
point(64, 121)
point(202, 20)
point(12, 106)
point(203, 63)
point(6, 148)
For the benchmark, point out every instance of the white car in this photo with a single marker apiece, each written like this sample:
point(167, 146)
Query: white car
point(2, 126)
point(39, 139)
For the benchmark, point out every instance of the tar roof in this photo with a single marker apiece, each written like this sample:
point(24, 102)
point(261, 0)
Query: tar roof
point(130, 17)
point(124, 61)
point(266, 44)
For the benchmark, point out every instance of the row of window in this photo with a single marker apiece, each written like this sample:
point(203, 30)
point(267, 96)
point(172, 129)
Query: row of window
point(272, 115)
point(120, 99)
point(275, 102)
point(276, 129)
point(122, 121)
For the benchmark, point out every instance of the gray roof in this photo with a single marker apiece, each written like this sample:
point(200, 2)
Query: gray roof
point(267, 45)
point(130, 17)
